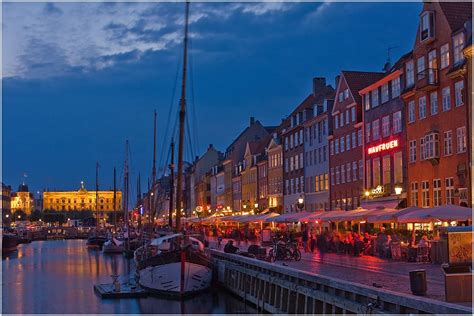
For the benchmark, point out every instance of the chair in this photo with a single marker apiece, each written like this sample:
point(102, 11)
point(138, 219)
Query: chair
point(396, 250)
point(422, 254)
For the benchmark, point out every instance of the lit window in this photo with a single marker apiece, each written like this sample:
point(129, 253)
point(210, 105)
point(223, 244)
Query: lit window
point(425, 194)
point(458, 45)
point(386, 169)
point(436, 192)
point(458, 88)
point(414, 194)
point(449, 184)
point(397, 167)
point(376, 172)
point(444, 51)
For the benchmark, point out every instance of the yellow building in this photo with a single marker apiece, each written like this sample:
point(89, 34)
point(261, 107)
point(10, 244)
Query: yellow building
point(22, 200)
point(81, 200)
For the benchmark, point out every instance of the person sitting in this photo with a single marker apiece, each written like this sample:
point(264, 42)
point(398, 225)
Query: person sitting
point(230, 248)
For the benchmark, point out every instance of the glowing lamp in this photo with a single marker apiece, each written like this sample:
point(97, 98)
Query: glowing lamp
point(398, 190)
point(367, 193)
point(300, 200)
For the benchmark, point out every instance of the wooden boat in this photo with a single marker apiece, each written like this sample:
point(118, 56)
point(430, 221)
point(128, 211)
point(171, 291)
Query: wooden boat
point(113, 245)
point(96, 240)
point(9, 242)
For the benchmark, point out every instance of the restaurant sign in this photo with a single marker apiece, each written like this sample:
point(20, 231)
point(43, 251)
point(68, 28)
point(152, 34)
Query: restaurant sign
point(384, 146)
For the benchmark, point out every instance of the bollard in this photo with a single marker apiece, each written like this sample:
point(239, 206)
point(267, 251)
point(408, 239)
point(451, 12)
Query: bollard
point(418, 282)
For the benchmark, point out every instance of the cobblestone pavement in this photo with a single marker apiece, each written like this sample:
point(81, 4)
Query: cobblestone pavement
point(367, 270)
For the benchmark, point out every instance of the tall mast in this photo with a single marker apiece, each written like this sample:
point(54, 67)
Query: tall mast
point(153, 171)
point(182, 115)
point(115, 200)
point(97, 194)
point(125, 188)
point(170, 220)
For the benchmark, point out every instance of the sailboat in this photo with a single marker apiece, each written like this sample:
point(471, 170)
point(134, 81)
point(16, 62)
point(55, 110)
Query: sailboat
point(96, 238)
point(114, 245)
point(181, 270)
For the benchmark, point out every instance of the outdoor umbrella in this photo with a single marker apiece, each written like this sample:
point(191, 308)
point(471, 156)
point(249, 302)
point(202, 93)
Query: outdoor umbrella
point(444, 213)
point(390, 216)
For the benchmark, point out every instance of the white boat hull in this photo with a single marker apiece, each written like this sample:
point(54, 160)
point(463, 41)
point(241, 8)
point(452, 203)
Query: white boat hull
point(166, 278)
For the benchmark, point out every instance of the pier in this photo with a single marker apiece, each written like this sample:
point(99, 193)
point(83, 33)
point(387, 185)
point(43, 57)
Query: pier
point(275, 288)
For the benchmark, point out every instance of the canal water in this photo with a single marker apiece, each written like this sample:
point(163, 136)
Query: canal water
point(58, 277)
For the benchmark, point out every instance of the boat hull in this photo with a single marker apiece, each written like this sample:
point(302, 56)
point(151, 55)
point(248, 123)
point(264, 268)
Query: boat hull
point(9, 243)
point(166, 279)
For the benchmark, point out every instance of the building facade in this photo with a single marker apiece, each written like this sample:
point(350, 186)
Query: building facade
point(436, 110)
point(82, 200)
point(22, 200)
point(385, 157)
point(275, 174)
point(346, 160)
point(316, 149)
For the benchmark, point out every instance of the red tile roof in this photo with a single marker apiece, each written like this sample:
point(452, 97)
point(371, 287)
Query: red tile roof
point(357, 80)
point(456, 13)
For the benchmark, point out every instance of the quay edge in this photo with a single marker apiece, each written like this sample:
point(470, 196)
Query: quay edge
point(280, 289)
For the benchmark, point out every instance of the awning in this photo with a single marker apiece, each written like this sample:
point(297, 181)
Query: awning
point(444, 213)
point(390, 216)
point(379, 204)
point(257, 217)
point(342, 216)
point(291, 217)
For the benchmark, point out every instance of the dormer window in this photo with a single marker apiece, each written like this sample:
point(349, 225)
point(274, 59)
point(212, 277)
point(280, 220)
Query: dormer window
point(458, 45)
point(427, 30)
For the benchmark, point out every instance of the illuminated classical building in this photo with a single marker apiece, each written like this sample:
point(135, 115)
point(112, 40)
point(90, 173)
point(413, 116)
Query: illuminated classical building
point(81, 200)
point(22, 200)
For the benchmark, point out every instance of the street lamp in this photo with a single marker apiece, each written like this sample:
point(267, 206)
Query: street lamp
point(367, 193)
point(398, 191)
point(300, 203)
point(7, 216)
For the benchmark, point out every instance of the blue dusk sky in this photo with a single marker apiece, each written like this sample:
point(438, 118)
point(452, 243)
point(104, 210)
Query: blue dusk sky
point(81, 78)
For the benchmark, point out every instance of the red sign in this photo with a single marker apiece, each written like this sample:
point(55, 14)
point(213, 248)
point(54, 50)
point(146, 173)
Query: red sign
point(384, 146)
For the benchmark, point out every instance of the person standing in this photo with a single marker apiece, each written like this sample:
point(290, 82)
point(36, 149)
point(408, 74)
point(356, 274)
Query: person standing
point(305, 239)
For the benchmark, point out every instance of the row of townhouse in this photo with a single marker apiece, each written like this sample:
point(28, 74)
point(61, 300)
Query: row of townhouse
point(378, 139)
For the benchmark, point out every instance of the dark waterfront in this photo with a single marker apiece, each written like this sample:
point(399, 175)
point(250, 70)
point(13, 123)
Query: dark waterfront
point(58, 277)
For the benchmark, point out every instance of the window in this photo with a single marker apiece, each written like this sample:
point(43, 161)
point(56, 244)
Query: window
point(448, 143)
point(396, 87)
point(346, 94)
point(386, 169)
point(397, 167)
point(461, 139)
point(425, 194)
point(347, 116)
point(434, 103)
point(446, 98)
point(420, 67)
point(385, 126)
point(449, 183)
point(332, 176)
point(359, 137)
point(336, 121)
point(354, 140)
point(414, 194)
point(341, 96)
point(444, 51)
point(341, 119)
point(430, 146)
point(348, 169)
point(301, 137)
point(422, 108)
point(367, 101)
point(385, 93)
point(458, 87)
point(342, 144)
point(376, 171)
point(375, 98)
point(326, 181)
point(432, 66)
point(397, 122)
point(458, 45)
point(348, 142)
point(410, 75)
point(367, 132)
point(368, 175)
point(411, 111)
point(331, 147)
point(412, 150)
point(325, 153)
point(436, 192)
point(336, 146)
point(291, 163)
point(343, 174)
point(338, 175)
point(361, 169)
point(427, 26)
point(286, 143)
point(291, 141)
point(353, 114)
point(376, 129)
point(354, 171)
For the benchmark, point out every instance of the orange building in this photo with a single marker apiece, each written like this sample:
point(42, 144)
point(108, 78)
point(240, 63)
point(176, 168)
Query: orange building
point(437, 116)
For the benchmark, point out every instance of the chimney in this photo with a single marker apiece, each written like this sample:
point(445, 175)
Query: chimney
point(387, 67)
point(252, 120)
point(318, 83)
point(210, 147)
point(337, 80)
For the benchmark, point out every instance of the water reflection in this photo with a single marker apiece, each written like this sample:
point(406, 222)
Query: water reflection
point(58, 277)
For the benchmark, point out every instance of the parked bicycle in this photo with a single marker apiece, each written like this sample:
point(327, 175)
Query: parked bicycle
point(284, 251)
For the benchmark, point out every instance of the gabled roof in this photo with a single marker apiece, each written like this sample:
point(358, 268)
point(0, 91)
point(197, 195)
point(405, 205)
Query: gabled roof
point(357, 80)
point(401, 61)
point(456, 13)
point(308, 102)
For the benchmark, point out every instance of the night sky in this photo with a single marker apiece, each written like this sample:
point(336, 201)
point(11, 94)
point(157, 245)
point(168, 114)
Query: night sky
point(80, 79)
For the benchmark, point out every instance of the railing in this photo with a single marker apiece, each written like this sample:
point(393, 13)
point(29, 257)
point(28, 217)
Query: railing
point(427, 79)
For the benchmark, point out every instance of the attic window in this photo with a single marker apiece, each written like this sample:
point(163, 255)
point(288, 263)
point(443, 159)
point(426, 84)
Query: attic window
point(427, 30)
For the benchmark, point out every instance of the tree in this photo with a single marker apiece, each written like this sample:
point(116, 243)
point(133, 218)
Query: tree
point(54, 217)
point(19, 215)
point(36, 215)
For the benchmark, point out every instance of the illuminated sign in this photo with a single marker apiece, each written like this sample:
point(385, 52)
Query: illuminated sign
point(384, 146)
point(378, 190)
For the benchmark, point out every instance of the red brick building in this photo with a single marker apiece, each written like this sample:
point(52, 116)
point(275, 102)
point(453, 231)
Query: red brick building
point(437, 116)
point(346, 166)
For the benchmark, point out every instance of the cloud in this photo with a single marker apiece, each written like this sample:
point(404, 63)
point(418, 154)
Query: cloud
point(86, 36)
